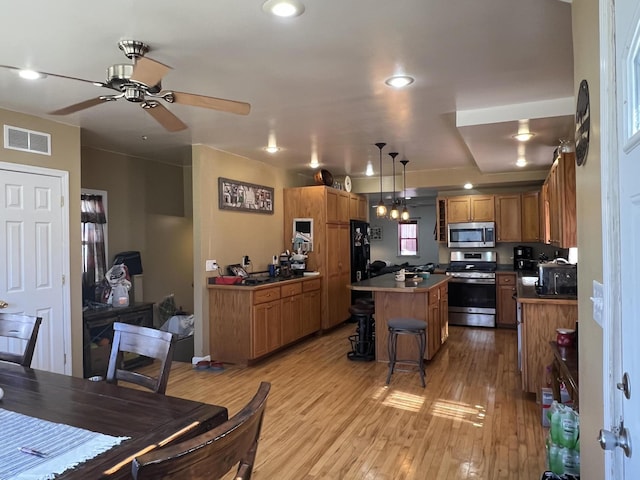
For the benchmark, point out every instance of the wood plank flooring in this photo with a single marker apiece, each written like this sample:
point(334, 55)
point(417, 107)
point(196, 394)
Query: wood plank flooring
point(331, 418)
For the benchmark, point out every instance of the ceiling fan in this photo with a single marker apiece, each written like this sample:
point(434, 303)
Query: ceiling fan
point(140, 82)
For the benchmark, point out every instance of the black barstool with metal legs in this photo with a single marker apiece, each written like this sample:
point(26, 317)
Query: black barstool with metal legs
point(362, 343)
point(407, 326)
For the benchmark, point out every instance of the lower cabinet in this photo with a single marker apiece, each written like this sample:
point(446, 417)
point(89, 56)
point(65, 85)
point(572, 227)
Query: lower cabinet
point(246, 323)
point(506, 304)
point(444, 312)
point(539, 322)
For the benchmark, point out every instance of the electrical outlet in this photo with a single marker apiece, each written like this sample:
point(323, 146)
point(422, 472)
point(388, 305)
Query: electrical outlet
point(211, 265)
point(245, 261)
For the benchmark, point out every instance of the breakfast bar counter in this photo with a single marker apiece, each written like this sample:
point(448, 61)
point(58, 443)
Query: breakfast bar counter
point(425, 300)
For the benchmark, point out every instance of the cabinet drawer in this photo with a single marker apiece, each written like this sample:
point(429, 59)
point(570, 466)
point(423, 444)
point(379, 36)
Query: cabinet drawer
point(310, 285)
point(506, 279)
point(290, 290)
point(266, 295)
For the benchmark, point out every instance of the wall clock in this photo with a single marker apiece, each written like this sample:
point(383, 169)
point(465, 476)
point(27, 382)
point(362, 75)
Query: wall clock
point(347, 183)
point(583, 123)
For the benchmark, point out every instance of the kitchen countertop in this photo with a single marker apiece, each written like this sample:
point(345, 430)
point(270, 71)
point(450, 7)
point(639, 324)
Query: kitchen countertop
point(268, 283)
point(387, 283)
point(527, 294)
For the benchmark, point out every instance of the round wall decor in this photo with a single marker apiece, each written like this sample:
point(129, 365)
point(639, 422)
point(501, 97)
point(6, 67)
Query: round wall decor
point(583, 123)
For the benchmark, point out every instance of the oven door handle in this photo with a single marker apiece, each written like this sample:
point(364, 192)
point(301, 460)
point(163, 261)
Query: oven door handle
point(485, 281)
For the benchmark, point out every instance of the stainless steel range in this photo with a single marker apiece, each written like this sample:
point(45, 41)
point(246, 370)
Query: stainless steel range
point(472, 288)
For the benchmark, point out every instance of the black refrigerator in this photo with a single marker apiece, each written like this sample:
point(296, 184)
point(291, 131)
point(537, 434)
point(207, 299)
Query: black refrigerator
point(360, 255)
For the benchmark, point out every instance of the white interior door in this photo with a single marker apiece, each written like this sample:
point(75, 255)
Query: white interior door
point(626, 411)
point(32, 257)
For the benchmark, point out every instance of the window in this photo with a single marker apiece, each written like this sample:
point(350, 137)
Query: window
point(408, 238)
point(93, 223)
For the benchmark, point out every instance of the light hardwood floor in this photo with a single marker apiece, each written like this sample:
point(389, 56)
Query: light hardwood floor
point(331, 418)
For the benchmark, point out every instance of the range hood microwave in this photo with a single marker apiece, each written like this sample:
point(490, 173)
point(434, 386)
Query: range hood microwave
point(471, 234)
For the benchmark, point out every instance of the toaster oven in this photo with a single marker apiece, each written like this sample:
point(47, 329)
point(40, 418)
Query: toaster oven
point(557, 279)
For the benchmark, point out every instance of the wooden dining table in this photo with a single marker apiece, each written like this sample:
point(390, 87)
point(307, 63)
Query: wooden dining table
point(149, 419)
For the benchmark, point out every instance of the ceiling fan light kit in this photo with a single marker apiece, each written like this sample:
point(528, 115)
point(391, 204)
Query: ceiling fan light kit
point(140, 83)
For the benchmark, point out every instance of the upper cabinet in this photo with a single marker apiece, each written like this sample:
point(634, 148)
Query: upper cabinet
point(559, 202)
point(518, 217)
point(471, 208)
point(441, 220)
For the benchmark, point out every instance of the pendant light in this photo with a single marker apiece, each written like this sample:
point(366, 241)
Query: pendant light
point(381, 209)
point(394, 213)
point(405, 213)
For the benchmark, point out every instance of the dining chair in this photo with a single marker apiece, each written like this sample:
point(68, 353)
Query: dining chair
point(149, 342)
point(23, 327)
point(211, 454)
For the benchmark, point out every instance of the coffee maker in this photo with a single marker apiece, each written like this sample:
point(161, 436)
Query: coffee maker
point(523, 258)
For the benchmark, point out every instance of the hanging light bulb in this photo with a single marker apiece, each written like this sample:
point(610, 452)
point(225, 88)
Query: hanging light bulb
point(394, 213)
point(404, 216)
point(381, 209)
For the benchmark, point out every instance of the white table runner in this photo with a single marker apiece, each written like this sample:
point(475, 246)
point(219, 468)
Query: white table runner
point(65, 446)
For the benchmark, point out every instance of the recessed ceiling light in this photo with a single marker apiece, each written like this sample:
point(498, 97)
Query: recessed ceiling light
point(369, 171)
point(283, 8)
point(521, 162)
point(272, 149)
point(399, 81)
point(524, 137)
point(468, 186)
point(30, 74)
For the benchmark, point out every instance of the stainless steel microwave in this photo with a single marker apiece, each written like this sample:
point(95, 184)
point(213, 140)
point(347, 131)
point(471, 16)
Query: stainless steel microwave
point(471, 234)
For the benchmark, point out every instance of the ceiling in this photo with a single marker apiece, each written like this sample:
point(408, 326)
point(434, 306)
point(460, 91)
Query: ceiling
point(314, 82)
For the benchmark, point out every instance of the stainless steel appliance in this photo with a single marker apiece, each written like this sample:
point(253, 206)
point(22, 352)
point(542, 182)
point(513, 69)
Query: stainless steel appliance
point(471, 235)
point(472, 288)
point(557, 279)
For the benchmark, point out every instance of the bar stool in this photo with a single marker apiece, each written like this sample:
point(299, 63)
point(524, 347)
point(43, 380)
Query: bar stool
point(363, 345)
point(407, 326)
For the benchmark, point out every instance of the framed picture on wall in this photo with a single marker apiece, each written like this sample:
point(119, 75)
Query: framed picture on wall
point(242, 196)
point(376, 233)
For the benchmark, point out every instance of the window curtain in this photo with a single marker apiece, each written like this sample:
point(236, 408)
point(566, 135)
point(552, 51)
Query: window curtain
point(93, 254)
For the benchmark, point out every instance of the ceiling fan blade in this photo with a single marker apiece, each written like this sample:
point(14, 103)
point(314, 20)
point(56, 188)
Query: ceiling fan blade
point(164, 117)
point(57, 75)
point(78, 106)
point(231, 106)
point(149, 72)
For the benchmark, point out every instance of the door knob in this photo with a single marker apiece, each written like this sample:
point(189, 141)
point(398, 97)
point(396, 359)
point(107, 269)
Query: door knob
point(3, 304)
point(618, 438)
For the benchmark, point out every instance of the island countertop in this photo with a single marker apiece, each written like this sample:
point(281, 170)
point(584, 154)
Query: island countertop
point(387, 283)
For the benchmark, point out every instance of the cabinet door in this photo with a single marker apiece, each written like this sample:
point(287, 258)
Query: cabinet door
point(363, 208)
point(311, 318)
point(337, 206)
point(458, 209)
point(554, 205)
point(433, 327)
point(291, 318)
point(531, 217)
point(482, 208)
point(444, 313)
point(506, 308)
point(338, 273)
point(508, 223)
point(266, 331)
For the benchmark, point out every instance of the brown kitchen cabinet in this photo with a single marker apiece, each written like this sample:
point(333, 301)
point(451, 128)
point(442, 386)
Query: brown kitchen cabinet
point(508, 217)
point(443, 291)
point(540, 318)
point(559, 201)
point(331, 210)
point(506, 303)
point(441, 220)
point(471, 208)
point(531, 217)
point(248, 322)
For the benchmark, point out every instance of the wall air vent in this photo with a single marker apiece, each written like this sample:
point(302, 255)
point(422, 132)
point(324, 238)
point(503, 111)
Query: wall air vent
point(27, 140)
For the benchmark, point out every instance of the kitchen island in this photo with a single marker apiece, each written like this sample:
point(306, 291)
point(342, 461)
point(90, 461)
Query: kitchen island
point(538, 319)
point(424, 300)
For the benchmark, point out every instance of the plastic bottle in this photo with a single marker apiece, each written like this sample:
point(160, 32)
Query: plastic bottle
point(557, 411)
point(569, 428)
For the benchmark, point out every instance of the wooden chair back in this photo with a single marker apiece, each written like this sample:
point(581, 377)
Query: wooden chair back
point(146, 341)
point(23, 327)
point(212, 454)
